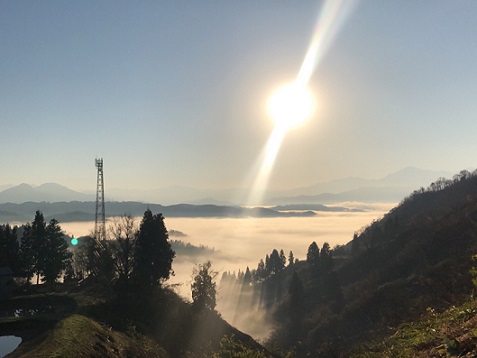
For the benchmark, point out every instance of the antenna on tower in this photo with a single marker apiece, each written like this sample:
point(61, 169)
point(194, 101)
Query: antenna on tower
point(100, 221)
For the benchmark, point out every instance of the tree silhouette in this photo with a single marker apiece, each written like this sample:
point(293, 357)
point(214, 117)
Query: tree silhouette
point(9, 248)
point(313, 254)
point(203, 287)
point(296, 308)
point(283, 258)
point(32, 248)
point(44, 250)
point(296, 291)
point(275, 263)
point(291, 259)
point(153, 255)
point(84, 260)
point(247, 278)
point(326, 259)
point(98, 259)
point(122, 247)
point(267, 265)
point(56, 255)
point(260, 273)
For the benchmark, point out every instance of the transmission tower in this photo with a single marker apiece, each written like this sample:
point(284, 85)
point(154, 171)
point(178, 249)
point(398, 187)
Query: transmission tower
point(100, 222)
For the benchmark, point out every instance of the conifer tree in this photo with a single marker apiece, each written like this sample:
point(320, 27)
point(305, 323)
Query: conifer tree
point(296, 291)
point(291, 259)
point(267, 265)
point(44, 250)
point(56, 255)
point(296, 308)
point(313, 254)
point(27, 254)
point(283, 257)
point(9, 248)
point(326, 259)
point(275, 262)
point(153, 256)
point(247, 278)
point(32, 247)
point(203, 287)
point(260, 273)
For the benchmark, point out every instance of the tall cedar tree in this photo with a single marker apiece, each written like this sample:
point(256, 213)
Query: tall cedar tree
point(247, 278)
point(291, 259)
point(43, 249)
point(275, 262)
point(326, 258)
point(9, 248)
point(32, 247)
point(153, 255)
point(313, 254)
point(57, 257)
point(203, 287)
point(296, 309)
point(260, 273)
point(283, 257)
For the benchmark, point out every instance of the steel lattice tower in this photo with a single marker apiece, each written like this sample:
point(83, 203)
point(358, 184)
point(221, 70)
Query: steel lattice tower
point(100, 222)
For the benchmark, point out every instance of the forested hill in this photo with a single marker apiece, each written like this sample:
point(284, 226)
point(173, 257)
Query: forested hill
point(415, 260)
point(85, 211)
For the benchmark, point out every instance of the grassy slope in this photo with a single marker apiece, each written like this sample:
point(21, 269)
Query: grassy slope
point(450, 333)
point(85, 323)
point(79, 336)
point(62, 328)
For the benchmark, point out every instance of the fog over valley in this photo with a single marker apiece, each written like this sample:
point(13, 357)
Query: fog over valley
point(267, 179)
point(233, 244)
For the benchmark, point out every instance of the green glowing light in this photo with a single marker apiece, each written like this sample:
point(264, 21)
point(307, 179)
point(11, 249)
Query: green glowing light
point(74, 241)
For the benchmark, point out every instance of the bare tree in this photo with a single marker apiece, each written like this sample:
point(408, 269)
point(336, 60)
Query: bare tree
point(122, 240)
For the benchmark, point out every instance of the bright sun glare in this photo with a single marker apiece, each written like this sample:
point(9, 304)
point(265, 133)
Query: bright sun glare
point(291, 105)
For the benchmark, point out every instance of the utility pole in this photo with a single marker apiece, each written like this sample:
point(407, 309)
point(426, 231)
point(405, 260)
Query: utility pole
point(100, 221)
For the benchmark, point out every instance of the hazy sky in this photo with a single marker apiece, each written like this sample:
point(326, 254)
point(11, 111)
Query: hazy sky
point(174, 92)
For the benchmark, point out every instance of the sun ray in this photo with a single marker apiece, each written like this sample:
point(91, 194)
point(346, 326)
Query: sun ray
point(331, 18)
point(269, 155)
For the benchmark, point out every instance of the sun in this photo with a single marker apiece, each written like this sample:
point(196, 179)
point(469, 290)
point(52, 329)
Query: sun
point(291, 105)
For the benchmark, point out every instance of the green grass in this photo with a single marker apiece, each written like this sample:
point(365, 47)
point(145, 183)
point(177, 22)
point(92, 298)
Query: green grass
point(64, 327)
point(79, 336)
point(84, 322)
point(450, 333)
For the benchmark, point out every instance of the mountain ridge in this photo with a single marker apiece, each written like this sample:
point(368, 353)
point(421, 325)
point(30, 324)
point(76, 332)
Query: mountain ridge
point(48, 192)
point(390, 188)
point(418, 259)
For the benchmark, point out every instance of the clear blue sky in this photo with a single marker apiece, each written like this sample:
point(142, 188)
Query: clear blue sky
point(173, 92)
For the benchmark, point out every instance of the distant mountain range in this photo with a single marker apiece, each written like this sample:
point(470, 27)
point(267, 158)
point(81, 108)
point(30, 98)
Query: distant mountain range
point(392, 188)
point(389, 189)
point(49, 192)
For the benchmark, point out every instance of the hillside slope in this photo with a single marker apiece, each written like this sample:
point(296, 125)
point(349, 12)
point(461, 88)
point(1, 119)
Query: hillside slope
point(417, 256)
point(79, 336)
point(91, 321)
point(450, 333)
